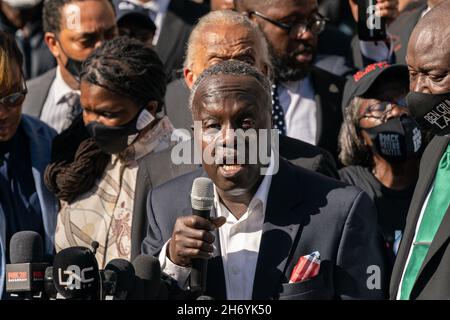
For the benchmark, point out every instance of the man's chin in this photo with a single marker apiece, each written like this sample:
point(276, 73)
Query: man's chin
point(292, 73)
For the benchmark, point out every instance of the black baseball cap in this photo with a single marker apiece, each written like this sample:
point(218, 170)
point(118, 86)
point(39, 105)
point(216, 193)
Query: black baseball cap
point(361, 82)
point(127, 9)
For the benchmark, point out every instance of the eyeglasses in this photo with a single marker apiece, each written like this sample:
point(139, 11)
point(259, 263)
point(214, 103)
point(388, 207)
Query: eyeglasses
point(380, 110)
point(15, 99)
point(316, 25)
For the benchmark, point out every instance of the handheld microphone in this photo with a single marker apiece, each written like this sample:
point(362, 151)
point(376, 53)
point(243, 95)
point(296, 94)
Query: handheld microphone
point(148, 278)
point(25, 273)
point(118, 279)
point(202, 201)
point(76, 275)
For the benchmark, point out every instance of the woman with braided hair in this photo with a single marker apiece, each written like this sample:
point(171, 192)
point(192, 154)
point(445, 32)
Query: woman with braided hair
point(105, 163)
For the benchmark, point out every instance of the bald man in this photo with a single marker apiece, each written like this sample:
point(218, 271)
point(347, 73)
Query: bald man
point(423, 261)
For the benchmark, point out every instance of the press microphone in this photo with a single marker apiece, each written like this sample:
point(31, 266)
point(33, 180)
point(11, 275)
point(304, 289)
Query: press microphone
point(76, 275)
point(202, 201)
point(118, 279)
point(25, 273)
point(148, 283)
point(49, 284)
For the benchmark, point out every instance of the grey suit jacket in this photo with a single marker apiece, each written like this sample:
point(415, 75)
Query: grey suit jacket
point(38, 90)
point(154, 169)
point(433, 279)
point(305, 212)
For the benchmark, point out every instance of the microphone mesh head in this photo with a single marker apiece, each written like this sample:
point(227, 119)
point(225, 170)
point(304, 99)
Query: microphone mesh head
point(125, 273)
point(26, 247)
point(148, 273)
point(202, 194)
point(76, 274)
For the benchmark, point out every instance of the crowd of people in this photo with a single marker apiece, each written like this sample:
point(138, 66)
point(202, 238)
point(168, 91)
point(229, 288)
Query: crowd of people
point(97, 98)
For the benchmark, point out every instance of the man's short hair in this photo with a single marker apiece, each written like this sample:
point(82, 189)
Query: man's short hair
point(51, 14)
point(234, 68)
point(226, 18)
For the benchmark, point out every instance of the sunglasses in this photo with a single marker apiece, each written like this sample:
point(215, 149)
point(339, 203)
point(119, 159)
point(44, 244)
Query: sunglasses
point(380, 110)
point(15, 99)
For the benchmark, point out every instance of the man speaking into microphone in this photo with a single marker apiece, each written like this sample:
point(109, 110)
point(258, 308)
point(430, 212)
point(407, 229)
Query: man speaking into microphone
point(276, 231)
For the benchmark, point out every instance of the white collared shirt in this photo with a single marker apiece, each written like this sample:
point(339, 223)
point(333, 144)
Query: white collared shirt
point(239, 244)
point(300, 109)
point(159, 7)
point(55, 111)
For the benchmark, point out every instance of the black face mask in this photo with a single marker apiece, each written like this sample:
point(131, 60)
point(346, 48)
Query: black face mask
point(431, 111)
point(73, 66)
point(397, 139)
point(114, 140)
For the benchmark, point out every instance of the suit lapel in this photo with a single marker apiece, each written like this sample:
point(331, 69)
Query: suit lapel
point(279, 234)
point(441, 237)
point(143, 185)
point(429, 163)
point(319, 115)
point(319, 106)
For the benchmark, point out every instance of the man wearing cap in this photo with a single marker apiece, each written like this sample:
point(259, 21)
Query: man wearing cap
point(134, 21)
point(421, 270)
point(380, 145)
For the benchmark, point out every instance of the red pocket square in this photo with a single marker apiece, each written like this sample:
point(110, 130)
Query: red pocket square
point(306, 268)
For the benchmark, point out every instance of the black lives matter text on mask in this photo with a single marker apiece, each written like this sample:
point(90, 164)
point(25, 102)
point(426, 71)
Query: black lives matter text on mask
point(439, 115)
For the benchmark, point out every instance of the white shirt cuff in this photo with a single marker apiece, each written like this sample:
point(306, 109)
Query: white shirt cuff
point(377, 50)
point(178, 273)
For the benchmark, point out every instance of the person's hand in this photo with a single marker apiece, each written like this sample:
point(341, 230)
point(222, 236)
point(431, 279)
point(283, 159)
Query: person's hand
point(192, 239)
point(388, 9)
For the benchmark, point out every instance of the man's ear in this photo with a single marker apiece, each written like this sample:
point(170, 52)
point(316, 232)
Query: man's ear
point(188, 77)
point(52, 44)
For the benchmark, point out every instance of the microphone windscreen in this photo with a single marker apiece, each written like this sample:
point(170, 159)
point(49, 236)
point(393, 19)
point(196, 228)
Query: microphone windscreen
point(202, 194)
point(148, 272)
point(26, 247)
point(125, 274)
point(76, 274)
point(49, 284)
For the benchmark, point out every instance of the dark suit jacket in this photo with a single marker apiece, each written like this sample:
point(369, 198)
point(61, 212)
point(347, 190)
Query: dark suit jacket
point(177, 26)
point(154, 169)
point(328, 95)
point(38, 89)
point(306, 212)
point(433, 280)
